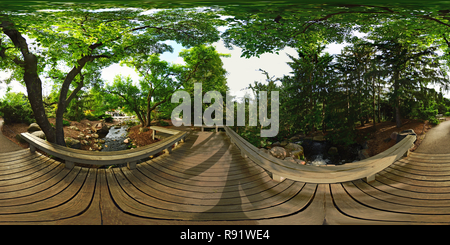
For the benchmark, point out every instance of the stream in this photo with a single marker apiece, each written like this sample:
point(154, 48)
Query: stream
point(316, 153)
point(114, 139)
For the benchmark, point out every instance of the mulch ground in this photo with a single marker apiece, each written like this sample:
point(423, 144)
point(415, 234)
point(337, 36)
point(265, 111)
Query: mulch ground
point(377, 138)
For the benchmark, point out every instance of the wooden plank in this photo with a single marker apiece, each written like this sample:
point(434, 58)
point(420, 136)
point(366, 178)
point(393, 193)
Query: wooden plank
point(32, 180)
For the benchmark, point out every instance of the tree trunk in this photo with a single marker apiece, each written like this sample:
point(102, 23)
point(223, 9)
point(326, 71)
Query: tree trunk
point(374, 110)
point(379, 100)
point(31, 78)
point(398, 119)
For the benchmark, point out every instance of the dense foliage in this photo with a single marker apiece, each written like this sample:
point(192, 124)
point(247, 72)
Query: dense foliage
point(384, 75)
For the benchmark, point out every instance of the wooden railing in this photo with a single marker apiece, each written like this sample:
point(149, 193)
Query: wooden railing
point(130, 156)
point(280, 169)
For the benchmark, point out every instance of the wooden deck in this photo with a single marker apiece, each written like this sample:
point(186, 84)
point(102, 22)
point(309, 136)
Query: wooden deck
point(206, 181)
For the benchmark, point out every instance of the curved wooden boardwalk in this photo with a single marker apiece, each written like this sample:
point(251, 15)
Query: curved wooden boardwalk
point(206, 181)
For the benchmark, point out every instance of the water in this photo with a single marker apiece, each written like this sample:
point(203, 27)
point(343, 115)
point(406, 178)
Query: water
point(318, 161)
point(114, 139)
point(316, 153)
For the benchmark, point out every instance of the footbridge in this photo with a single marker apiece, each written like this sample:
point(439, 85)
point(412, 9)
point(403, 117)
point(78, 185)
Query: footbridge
point(216, 178)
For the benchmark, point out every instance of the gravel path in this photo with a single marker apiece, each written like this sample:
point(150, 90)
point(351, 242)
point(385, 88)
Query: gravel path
point(437, 140)
point(7, 145)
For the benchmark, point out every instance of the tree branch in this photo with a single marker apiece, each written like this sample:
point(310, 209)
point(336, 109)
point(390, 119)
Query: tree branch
point(76, 90)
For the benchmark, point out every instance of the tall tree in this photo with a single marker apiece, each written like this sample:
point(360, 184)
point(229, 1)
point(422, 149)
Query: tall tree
point(82, 37)
point(159, 80)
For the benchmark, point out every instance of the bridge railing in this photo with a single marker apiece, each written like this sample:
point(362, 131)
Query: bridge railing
point(365, 169)
point(130, 156)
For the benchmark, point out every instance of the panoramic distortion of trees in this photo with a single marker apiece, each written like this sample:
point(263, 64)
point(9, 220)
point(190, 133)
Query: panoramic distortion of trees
point(394, 53)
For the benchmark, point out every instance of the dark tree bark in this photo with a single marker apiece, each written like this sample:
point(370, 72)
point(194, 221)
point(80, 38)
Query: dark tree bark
point(31, 78)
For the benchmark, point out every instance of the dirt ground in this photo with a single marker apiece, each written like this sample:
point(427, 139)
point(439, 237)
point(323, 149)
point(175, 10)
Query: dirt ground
point(377, 139)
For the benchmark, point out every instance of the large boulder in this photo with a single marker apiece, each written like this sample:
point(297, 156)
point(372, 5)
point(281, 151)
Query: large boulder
point(72, 143)
point(363, 154)
point(100, 128)
point(333, 151)
point(39, 134)
point(278, 152)
point(294, 150)
point(33, 128)
point(405, 133)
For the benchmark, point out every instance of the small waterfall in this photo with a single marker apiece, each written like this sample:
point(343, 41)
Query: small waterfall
point(114, 139)
point(318, 161)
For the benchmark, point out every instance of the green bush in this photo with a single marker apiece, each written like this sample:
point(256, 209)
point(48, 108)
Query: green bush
point(163, 123)
point(108, 118)
point(66, 123)
point(16, 108)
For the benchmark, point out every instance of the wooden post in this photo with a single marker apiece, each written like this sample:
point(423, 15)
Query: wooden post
point(69, 164)
point(168, 150)
point(153, 134)
point(131, 165)
point(217, 129)
point(243, 154)
point(32, 148)
point(277, 177)
point(369, 178)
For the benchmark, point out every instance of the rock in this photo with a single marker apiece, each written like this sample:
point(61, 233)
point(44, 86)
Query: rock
point(72, 143)
point(80, 136)
point(126, 141)
point(278, 152)
point(33, 128)
point(333, 151)
point(143, 129)
point(284, 143)
point(405, 133)
point(290, 159)
point(297, 154)
point(117, 127)
point(293, 147)
point(101, 141)
point(88, 130)
point(394, 135)
point(95, 136)
point(85, 142)
point(74, 128)
point(276, 144)
point(88, 137)
point(363, 154)
point(319, 138)
point(100, 128)
point(294, 150)
point(39, 134)
point(88, 124)
point(294, 138)
point(300, 161)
